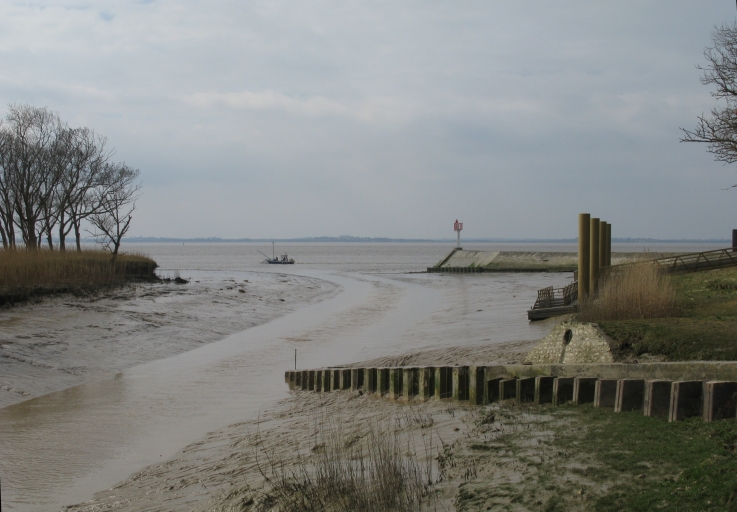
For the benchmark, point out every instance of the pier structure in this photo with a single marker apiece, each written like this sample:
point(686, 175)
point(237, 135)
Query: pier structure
point(669, 390)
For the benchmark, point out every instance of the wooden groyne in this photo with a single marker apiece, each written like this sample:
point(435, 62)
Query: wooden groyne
point(672, 390)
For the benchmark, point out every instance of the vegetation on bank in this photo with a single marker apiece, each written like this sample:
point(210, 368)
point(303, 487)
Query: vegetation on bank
point(686, 317)
point(25, 274)
point(575, 458)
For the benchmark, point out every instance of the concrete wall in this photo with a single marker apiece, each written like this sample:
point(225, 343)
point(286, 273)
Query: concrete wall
point(513, 261)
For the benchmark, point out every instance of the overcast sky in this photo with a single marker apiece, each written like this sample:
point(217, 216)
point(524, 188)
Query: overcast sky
point(289, 119)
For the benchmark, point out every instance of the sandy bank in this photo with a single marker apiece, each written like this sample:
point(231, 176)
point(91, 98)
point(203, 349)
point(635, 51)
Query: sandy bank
point(64, 341)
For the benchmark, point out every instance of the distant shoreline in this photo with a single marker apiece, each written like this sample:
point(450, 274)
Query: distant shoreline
point(350, 239)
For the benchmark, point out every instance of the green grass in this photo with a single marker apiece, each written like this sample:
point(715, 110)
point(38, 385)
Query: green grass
point(705, 327)
point(653, 464)
point(580, 458)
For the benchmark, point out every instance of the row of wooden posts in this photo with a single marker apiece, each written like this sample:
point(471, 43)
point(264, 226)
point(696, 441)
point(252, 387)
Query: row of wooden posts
point(594, 252)
point(675, 400)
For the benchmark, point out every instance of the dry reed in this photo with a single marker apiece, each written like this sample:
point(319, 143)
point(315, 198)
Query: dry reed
point(633, 292)
point(24, 273)
point(375, 471)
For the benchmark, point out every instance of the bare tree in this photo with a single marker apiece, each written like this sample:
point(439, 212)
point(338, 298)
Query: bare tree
point(719, 130)
point(84, 173)
point(117, 199)
point(30, 141)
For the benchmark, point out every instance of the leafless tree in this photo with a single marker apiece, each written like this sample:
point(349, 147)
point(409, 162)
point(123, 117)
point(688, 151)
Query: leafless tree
point(719, 129)
point(30, 139)
point(84, 173)
point(55, 176)
point(117, 199)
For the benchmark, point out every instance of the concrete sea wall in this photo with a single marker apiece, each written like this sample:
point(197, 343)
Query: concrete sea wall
point(460, 261)
point(672, 390)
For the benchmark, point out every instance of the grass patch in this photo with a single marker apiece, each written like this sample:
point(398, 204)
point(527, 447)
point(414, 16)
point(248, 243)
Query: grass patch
point(578, 458)
point(653, 464)
point(703, 326)
point(25, 274)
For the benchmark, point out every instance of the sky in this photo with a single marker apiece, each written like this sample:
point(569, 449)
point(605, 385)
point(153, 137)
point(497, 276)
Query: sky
point(384, 118)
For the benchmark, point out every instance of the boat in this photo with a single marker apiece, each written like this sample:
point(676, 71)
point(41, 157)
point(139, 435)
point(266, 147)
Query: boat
point(284, 259)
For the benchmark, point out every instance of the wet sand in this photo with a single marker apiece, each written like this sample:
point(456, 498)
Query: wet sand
point(59, 448)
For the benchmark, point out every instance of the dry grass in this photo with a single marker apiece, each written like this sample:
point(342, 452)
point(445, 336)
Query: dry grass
point(634, 292)
point(374, 470)
point(26, 273)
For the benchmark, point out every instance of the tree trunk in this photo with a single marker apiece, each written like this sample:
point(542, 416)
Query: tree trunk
point(77, 235)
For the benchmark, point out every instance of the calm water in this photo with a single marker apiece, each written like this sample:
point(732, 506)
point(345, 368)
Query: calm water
point(60, 448)
point(355, 257)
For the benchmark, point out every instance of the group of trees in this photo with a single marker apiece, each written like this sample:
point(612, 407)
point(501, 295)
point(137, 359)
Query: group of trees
point(55, 180)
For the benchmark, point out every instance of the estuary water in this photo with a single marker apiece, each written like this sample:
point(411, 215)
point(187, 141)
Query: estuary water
point(60, 448)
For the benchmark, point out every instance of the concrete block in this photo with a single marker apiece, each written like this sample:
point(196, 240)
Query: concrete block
point(460, 383)
point(318, 381)
point(305, 380)
point(630, 395)
point(369, 380)
point(720, 400)
point(326, 378)
point(656, 402)
point(426, 383)
point(544, 390)
point(336, 375)
point(525, 391)
point(356, 379)
point(298, 379)
point(584, 390)
point(562, 390)
point(476, 385)
point(410, 384)
point(395, 383)
point(345, 379)
point(508, 389)
point(443, 382)
point(605, 393)
point(311, 384)
point(686, 400)
point(491, 390)
point(382, 381)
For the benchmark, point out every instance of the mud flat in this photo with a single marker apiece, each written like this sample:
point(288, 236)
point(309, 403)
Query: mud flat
point(228, 467)
point(60, 342)
point(59, 448)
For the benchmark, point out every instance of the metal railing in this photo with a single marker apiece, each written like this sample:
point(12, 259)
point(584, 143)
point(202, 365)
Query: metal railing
point(695, 261)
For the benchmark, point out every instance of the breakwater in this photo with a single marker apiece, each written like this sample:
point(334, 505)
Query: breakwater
point(460, 261)
point(672, 390)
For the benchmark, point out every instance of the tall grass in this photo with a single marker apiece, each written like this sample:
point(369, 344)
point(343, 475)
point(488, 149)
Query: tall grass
point(24, 273)
point(377, 470)
point(633, 292)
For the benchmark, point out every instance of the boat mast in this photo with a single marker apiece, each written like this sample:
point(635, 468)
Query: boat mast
point(272, 251)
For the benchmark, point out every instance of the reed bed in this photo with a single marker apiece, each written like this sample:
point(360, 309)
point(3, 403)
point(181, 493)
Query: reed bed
point(635, 292)
point(24, 273)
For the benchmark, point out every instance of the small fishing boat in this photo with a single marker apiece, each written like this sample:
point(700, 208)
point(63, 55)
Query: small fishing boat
point(284, 259)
